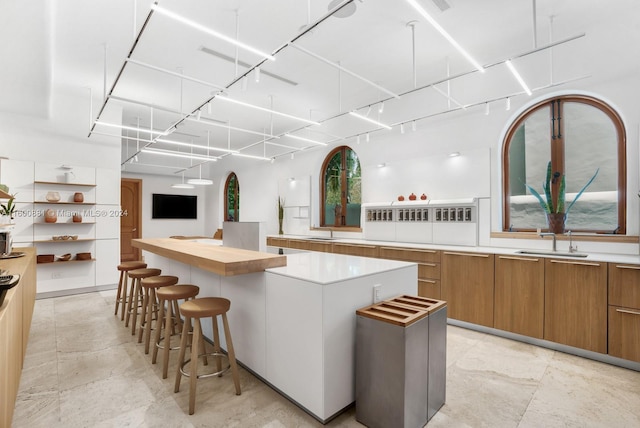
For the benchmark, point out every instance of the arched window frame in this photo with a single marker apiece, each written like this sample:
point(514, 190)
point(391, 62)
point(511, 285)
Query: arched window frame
point(558, 157)
point(232, 180)
point(344, 187)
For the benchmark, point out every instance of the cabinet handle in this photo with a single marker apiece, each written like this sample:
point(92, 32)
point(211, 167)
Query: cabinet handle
point(486, 256)
point(354, 245)
point(524, 259)
point(431, 281)
point(428, 264)
point(626, 311)
point(566, 262)
point(628, 267)
point(409, 249)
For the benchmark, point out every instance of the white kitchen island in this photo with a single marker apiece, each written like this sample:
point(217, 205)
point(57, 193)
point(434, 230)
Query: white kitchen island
point(294, 326)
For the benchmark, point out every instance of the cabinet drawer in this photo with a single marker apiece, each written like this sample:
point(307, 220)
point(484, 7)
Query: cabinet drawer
point(429, 288)
point(429, 270)
point(409, 255)
point(355, 250)
point(624, 333)
point(624, 285)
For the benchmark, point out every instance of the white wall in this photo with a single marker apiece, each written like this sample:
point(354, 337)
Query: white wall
point(163, 228)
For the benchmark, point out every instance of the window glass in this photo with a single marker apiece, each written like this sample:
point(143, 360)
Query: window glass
point(342, 197)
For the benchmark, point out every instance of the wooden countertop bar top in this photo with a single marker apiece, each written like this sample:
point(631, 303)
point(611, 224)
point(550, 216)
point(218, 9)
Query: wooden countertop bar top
point(224, 261)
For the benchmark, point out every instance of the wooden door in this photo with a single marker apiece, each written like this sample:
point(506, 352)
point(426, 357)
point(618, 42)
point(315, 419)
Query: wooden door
point(131, 223)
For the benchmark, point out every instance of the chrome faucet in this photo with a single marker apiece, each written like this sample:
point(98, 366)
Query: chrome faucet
point(553, 235)
point(572, 249)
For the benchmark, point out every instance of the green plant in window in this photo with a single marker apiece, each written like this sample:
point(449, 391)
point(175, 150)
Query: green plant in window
point(547, 202)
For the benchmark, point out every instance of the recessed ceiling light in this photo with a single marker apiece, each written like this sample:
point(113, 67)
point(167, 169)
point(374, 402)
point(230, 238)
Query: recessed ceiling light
point(454, 154)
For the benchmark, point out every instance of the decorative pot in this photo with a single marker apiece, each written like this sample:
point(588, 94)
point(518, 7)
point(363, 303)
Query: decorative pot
point(401, 198)
point(53, 196)
point(556, 222)
point(280, 231)
point(50, 216)
point(77, 218)
point(78, 197)
point(412, 197)
point(423, 197)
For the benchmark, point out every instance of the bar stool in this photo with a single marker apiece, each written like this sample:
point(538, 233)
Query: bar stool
point(170, 295)
point(204, 308)
point(135, 294)
point(123, 284)
point(150, 304)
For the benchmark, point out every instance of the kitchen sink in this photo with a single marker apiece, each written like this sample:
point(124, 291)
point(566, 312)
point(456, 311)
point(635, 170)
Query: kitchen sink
point(552, 253)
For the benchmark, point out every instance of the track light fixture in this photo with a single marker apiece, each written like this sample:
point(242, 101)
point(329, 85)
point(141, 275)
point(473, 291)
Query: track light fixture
point(368, 119)
point(268, 110)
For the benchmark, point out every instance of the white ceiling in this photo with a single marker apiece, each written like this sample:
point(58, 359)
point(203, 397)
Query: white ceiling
point(58, 47)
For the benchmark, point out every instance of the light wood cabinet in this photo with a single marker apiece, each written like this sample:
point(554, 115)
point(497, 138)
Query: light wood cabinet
point(310, 245)
point(277, 242)
point(519, 295)
point(428, 267)
point(355, 249)
point(467, 286)
point(624, 311)
point(576, 304)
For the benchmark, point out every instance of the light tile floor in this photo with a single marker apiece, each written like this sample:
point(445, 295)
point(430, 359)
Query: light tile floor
point(84, 369)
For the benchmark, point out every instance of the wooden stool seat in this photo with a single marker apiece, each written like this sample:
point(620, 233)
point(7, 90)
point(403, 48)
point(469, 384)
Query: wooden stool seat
point(136, 297)
point(171, 316)
point(123, 283)
point(150, 304)
point(204, 308)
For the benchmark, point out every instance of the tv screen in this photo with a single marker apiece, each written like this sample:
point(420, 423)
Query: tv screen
point(174, 206)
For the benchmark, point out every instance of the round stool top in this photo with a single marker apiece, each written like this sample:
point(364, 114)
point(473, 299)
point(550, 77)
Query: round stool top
point(127, 266)
point(144, 273)
point(159, 281)
point(205, 307)
point(178, 292)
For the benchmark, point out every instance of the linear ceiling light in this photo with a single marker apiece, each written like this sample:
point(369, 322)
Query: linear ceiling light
point(131, 128)
point(173, 73)
point(295, 137)
point(195, 146)
point(242, 155)
point(216, 123)
point(209, 31)
point(518, 77)
point(242, 103)
point(179, 154)
point(446, 35)
point(375, 122)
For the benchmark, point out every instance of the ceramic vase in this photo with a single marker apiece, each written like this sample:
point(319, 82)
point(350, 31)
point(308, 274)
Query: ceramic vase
point(556, 222)
point(77, 218)
point(78, 197)
point(50, 216)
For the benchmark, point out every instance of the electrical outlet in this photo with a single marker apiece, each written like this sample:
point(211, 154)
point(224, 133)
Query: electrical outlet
point(376, 293)
point(56, 275)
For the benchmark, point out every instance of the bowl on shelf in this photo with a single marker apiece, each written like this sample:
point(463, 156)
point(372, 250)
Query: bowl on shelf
point(64, 257)
point(83, 256)
point(52, 197)
point(45, 258)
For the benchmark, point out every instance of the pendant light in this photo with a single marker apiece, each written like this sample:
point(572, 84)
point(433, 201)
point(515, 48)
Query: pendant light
point(183, 185)
point(200, 181)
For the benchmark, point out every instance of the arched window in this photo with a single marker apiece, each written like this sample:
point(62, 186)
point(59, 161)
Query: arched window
point(232, 198)
point(578, 135)
point(341, 189)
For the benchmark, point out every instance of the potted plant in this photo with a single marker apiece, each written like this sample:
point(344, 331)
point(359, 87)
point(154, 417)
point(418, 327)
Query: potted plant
point(280, 214)
point(9, 208)
point(556, 212)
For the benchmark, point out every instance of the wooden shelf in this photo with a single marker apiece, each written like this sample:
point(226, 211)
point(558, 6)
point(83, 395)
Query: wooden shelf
point(63, 241)
point(66, 222)
point(64, 203)
point(4, 195)
point(67, 261)
point(65, 184)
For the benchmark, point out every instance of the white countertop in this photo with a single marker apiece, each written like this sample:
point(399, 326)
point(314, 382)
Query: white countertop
point(327, 268)
point(591, 256)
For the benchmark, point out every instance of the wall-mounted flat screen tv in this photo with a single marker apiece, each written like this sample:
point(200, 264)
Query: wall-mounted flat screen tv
point(174, 206)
